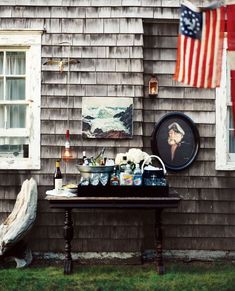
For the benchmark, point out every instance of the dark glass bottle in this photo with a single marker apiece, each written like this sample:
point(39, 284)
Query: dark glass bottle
point(114, 178)
point(84, 155)
point(85, 161)
point(57, 177)
point(123, 164)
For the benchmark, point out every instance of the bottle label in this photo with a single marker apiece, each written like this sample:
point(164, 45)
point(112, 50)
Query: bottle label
point(126, 179)
point(58, 184)
point(137, 180)
point(114, 181)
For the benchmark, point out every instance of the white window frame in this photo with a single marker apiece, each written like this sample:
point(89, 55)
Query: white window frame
point(224, 159)
point(30, 41)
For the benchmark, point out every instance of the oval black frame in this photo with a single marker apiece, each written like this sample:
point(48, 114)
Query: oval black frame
point(195, 134)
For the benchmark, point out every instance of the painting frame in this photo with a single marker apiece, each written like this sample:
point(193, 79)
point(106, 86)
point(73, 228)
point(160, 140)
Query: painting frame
point(107, 117)
point(176, 140)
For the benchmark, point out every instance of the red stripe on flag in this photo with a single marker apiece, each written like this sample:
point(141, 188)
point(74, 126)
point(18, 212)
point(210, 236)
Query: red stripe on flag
point(231, 26)
point(198, 52)
point(184, 59)
point(211, 62)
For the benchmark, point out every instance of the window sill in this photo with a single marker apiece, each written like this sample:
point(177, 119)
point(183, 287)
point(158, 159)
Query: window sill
point(225, 167)
point(19, 164)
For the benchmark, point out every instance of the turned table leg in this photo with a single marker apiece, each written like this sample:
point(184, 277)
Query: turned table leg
point(158, 234)
point(68, 236)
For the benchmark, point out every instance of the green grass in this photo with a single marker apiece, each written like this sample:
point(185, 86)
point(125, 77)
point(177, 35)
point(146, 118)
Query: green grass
point(179, 276)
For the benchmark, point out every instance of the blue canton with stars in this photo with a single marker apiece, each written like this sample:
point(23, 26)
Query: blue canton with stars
point(190, 23)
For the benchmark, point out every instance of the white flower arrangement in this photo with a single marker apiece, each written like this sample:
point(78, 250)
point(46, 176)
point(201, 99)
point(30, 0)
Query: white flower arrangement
point(133, 155)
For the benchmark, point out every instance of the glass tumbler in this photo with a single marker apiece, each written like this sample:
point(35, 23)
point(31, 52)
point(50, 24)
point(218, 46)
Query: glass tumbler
point(84, 181)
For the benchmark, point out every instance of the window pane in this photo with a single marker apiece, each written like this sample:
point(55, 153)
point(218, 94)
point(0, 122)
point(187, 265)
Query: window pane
point(230, 116)
point(15, 89)
point(1, 63)
point(1, 89)
point(14, 151)
point(16, 116)
point(232, 141)
point(15, 63)
point(1, 116)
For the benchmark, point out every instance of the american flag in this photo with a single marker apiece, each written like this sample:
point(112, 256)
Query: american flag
point(200, 45)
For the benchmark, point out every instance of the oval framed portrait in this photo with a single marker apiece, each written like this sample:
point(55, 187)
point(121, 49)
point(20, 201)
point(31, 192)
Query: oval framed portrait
point(175, 139)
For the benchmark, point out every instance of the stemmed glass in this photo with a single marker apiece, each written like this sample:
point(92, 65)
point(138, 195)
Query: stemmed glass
point(104, 177)
point(94, 179)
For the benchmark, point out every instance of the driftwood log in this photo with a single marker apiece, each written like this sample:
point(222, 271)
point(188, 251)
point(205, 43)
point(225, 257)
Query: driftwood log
point(17, 225)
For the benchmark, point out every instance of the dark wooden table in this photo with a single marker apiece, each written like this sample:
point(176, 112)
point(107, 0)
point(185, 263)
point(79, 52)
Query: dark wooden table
point(118, 197)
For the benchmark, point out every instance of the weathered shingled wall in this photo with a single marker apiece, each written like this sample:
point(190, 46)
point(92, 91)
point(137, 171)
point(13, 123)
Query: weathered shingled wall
point(118, 51)
point(205, 219)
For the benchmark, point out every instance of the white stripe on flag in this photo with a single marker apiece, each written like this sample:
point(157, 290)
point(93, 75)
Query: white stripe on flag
point(231, 59)
point(182, 40)
point(187, 59)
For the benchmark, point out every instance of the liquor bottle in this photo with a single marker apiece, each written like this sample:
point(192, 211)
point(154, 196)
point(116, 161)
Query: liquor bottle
point(123, 164)
point(126, 177)
point(114, 178)
point(98, 160)
point(57, 176)
point(137, 176)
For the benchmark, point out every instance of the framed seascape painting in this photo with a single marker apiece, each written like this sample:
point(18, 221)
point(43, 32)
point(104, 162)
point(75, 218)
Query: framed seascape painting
point(175, 139)
point(107, 117)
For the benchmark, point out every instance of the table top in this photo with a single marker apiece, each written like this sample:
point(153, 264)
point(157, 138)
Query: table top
point(95, 199)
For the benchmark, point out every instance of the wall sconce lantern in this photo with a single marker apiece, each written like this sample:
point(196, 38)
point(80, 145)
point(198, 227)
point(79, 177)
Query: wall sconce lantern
point(67, 153)
point(153, 86)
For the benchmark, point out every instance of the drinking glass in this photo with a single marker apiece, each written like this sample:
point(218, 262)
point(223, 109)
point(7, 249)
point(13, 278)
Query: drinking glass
point(84, 181)
point(104, 178)
point(94, 179)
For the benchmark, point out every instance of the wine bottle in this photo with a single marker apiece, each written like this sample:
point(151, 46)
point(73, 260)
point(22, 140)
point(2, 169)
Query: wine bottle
point(57, 176)
point(85, 161)
point(84, 155)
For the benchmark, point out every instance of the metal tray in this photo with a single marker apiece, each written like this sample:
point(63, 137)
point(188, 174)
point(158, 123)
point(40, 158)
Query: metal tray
point(87, 170)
